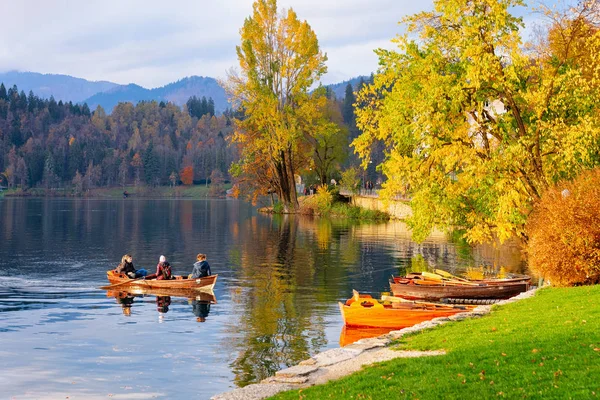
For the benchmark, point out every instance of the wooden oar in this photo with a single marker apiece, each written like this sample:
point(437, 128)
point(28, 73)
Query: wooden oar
point(443, 279)
point(448, 275)
point(433, 277)
point(122, 283)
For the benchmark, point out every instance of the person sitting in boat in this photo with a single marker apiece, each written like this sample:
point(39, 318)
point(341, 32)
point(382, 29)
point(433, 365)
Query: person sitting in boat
point(201, 267)
point(163, 270)
point(126, 267)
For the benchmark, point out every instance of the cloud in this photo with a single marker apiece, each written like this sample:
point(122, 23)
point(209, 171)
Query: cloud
point(152, 42)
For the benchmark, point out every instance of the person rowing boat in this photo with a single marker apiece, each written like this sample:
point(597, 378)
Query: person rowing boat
point(201, 267)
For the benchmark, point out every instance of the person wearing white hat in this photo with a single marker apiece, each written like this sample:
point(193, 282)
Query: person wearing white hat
point(163, 270)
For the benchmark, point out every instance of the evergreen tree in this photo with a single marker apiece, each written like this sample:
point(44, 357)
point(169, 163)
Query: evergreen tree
point(348, 106)
point(151, 166)
point(53, 109)
point(32, 102)
point(3, 94)
point(16, 138)
point(204, 106)
point(85, 110)
point(22, 101)
point(50, 177)
point(211, 106)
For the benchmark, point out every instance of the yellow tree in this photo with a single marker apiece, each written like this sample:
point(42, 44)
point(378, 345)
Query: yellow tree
point(330, 141)
point(474, 125)
point(280, 60)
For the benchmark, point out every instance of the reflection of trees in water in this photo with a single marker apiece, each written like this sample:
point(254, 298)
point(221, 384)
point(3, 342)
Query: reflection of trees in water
point(440, 251)
point(279, 325)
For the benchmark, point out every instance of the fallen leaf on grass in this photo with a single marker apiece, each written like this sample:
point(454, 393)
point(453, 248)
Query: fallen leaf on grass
point(535, 351)
point(596, 349)
point(503, 354)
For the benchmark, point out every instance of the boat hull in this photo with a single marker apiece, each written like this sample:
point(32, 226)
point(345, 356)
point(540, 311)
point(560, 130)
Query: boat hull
point(365, 312)
point(205, 283)
point(438, 292)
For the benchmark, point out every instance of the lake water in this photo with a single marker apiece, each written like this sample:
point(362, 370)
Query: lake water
point(280, 279)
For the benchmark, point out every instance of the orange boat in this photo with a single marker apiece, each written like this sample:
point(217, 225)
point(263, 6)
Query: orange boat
point(352, 334)
point(179, 282)
point(363, 311)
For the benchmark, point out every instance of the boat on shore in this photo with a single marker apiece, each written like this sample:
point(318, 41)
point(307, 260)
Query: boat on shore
point(178, 282)
point(434, 287)
point(363, 311)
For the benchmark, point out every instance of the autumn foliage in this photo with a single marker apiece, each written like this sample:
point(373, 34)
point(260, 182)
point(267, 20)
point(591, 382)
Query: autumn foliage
point(187, 175)
point(564, 232)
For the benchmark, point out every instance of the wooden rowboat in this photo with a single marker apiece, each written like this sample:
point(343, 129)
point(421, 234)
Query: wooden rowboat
point(179, 282)
point(362, 311)
point(409, 288)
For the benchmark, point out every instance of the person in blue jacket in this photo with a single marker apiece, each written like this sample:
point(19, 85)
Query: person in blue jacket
point(201, 267)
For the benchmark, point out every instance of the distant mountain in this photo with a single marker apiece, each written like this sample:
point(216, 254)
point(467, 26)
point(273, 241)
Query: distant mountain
point(62, 87)
point(340, 88)
point(109, 94)
point(178, 93)
point(131, 93)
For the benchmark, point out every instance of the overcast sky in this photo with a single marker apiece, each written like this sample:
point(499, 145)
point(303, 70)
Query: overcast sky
point(155, 42)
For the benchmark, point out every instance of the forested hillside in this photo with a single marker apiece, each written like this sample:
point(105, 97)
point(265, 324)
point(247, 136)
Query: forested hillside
point(56, 144)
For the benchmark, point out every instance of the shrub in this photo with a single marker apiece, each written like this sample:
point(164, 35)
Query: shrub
point(323, 199)
point(564, 232)
point(278, 207)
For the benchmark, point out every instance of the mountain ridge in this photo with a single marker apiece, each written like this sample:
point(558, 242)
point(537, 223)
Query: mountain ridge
point(108, 94)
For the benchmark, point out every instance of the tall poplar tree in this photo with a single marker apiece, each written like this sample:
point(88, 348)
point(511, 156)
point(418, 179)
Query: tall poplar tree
point(280, 60)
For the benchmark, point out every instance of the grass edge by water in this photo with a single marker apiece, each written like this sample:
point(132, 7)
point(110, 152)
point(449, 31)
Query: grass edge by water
point(547, 346)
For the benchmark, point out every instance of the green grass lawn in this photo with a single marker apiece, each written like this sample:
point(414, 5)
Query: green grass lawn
point(546, 347)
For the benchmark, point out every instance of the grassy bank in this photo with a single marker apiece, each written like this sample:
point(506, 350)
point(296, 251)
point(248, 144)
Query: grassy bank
point(544, 347)
point(195, 191)
point(328, 204)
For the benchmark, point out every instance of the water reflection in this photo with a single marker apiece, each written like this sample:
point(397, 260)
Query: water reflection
point(199, 300)
point(280, 278)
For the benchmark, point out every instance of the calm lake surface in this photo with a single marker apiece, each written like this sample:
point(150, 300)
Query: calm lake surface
point(280, 279)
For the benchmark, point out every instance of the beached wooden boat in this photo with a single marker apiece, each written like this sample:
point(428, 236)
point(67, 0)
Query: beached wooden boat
point(414, 287)
point(364, 311)
point(179, 282)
